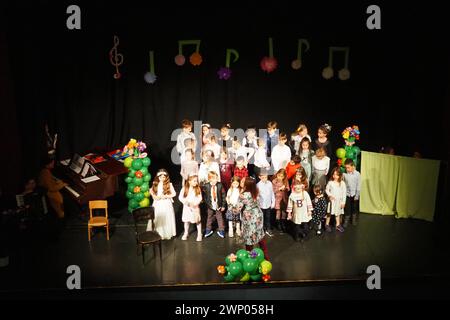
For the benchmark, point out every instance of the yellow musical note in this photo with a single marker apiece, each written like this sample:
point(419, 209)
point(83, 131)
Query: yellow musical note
point(297, 63)
point(344, 73)
point(115, 58)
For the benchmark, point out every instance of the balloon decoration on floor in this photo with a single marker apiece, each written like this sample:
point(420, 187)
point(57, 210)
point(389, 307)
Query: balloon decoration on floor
point(270, 63)
point(138, 179)
point(246, 266)
point(349, 151)
point(150, 76)
point(224, 73)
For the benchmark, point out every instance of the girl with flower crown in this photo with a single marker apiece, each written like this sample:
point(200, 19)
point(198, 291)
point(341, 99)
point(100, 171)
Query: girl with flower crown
point(162, 193)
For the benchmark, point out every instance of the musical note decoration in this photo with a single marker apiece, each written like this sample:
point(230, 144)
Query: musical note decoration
point(270, 63)
point(115, 58)
point(224, 73)
point(297, 63)
point(195, 59)
point(344, 73)
point(150, 76)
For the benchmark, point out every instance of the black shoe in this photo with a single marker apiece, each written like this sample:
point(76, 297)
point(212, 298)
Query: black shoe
point(346, 222)
point(278, 225)
point(355, 219)
point(283, 226)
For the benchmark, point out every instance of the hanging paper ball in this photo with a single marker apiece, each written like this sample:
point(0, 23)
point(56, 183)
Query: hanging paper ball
point(180, 60)
point(196, 59)
point(328, 73)
point(224, 73)
point(268, 64)
point(296, 64)
point(344, 74)
point(150, 77)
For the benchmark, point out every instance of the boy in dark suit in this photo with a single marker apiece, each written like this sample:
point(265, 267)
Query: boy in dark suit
point(215, 199)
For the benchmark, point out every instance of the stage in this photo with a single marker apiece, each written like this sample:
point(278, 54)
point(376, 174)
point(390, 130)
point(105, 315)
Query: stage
point(409, 253)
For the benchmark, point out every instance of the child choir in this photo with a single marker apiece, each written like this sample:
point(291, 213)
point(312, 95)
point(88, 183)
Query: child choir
point(251, 185)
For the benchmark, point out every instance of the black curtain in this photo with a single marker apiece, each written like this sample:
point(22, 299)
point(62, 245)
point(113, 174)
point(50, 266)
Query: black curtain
point(64, 77)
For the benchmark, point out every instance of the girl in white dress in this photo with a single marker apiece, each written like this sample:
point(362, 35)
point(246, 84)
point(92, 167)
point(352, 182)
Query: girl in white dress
point(337, 194)
point(191, 196)
point(320, 167)
point(162, 193)
point(299, 210)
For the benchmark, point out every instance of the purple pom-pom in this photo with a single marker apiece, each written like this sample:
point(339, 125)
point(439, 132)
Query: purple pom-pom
point(253, 254)
point(224, 73)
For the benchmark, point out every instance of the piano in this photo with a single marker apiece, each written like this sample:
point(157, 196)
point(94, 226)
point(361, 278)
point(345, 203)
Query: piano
point(81, 192)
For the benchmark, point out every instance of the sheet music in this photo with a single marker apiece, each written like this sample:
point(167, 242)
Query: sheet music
point(77, 163)
point(90, 179)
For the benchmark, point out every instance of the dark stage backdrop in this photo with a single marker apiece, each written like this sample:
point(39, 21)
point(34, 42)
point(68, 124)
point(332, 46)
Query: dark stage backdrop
point(396, 93)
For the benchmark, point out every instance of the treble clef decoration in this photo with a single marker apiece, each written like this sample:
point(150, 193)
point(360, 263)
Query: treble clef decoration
point(116, 58)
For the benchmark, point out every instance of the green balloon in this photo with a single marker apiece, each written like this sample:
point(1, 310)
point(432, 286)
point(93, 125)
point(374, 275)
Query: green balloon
point(256, 277)
point(144, 171)
point(128, 179)
point(228, 277)
point(242, 255)
point(133, 204)
point(131, 187)
point(235, 269)
point(139, 196)
point(245, 278)
point(137, 164)
point(127, 162)
point(350, 153)
point(129, 194)
point(144, 203)
point(259, 255)
point(145, 186)
point(132, 173)
point(340, 153)
point(250, 265)
point(147, 177)
point(138, 181)
point(130, 209)
point(146, 162)
point(356, 150)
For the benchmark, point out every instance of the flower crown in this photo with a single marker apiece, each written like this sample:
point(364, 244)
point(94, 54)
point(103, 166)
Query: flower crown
point(135, 149)
point(351, 133)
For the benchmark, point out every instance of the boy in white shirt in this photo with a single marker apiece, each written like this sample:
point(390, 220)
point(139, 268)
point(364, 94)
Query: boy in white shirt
point(281, 153)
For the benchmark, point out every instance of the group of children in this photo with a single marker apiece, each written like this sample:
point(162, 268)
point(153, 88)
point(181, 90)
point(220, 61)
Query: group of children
point(286, 173)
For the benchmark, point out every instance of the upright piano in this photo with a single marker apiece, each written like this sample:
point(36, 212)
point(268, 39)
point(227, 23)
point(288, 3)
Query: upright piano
point(81, 192)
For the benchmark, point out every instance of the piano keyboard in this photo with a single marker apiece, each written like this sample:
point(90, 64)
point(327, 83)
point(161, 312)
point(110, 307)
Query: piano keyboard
point(76, 194)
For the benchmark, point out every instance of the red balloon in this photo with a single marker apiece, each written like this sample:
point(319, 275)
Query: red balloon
point(139, 174)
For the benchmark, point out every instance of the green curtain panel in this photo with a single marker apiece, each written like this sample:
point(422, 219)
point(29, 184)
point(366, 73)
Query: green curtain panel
point(417, 188)
point(379, 180)
point(397, 185)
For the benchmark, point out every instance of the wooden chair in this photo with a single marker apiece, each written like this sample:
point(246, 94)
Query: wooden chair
point(146, 237)
point(98, 221)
